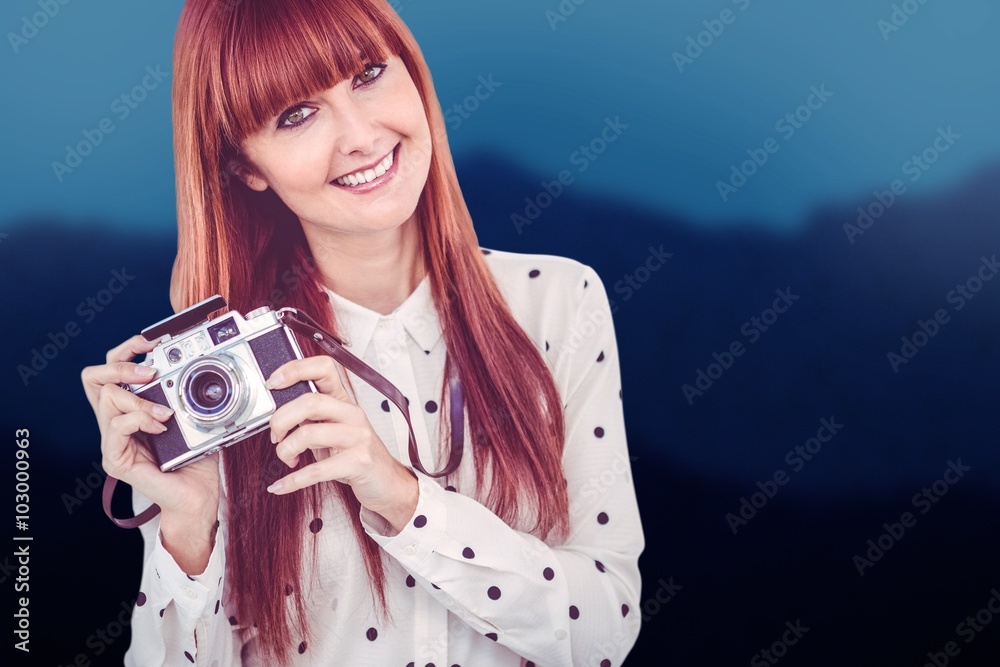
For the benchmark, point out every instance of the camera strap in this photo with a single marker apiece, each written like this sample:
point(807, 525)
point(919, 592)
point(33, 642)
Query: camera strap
point(305, 326)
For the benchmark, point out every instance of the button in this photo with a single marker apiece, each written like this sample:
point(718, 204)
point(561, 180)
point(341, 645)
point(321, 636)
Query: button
point(191, 593)
point(409, 550)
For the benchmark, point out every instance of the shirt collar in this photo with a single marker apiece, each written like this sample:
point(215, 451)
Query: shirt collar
point(417, 314)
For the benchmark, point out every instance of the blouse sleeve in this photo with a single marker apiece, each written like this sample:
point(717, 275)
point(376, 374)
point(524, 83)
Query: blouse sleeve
point(179, 619)
point(572, 603)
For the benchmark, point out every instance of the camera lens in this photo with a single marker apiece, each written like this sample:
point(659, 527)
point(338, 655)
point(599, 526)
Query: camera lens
point(210, 389)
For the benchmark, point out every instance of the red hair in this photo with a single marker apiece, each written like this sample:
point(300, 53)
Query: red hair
point(236, 65)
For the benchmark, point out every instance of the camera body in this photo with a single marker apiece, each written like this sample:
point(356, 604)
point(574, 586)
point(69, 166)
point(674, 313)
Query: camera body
point(211, 373)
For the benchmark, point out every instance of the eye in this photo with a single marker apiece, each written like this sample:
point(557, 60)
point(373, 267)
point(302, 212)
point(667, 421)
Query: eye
point(296, 114)
point(371, 72)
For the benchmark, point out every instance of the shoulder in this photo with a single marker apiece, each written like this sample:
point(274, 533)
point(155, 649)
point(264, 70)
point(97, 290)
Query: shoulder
point(550, 296)
point(538, 274)
point(547, 286)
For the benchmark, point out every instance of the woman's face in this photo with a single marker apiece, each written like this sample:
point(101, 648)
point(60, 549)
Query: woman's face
point(311, 153)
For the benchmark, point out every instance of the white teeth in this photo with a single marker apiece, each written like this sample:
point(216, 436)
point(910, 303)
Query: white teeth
point(368, 175)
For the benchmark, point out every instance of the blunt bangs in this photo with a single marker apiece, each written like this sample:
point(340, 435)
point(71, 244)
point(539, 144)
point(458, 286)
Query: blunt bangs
point(277, 54)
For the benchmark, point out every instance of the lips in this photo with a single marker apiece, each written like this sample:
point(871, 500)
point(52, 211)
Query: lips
point(367, 174)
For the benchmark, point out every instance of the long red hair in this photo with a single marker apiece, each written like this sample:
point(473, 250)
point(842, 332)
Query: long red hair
point(236, 65)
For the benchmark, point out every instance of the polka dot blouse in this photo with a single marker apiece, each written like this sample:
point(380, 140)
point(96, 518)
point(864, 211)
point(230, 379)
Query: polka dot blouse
point(463, 586)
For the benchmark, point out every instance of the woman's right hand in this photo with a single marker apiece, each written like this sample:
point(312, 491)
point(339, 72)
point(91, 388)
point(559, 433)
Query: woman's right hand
point(191, 492)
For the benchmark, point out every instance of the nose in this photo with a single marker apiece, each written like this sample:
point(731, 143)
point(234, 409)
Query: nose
point(354, 128)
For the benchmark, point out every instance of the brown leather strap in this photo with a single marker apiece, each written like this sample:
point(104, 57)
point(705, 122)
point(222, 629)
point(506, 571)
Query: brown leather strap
point(304, 325)
point(133, 522)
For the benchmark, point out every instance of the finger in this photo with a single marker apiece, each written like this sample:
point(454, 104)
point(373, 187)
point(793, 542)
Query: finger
point(312, 407)
point(118, 358)
point(322, 435)
point(133, 346)
point(115, 401)
point(322, 369)
point(114, 446)
point(321, 471)
point(94, 377)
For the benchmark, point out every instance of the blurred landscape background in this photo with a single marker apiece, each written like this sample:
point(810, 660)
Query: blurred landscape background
point(845, 156)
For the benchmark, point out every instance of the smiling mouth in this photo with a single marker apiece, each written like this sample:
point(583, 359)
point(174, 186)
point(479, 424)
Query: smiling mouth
point(369, 175)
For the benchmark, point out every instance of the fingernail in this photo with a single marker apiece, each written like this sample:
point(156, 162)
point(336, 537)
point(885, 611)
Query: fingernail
point(160, 427)
point(275, 487)
point(274, 437)
point(275, 381)
point(162, 411)
point(145, 371)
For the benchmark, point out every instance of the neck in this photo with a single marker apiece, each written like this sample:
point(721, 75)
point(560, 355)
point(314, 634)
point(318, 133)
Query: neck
point(377, 270)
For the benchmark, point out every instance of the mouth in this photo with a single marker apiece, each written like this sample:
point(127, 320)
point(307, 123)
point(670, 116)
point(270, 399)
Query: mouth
point(371, 178)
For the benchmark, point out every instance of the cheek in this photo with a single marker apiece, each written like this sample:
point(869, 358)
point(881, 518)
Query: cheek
point(420, 138)
point(408, 112)
point(300, 170)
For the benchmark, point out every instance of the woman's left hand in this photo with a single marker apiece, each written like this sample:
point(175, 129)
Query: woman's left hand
point(345, 446)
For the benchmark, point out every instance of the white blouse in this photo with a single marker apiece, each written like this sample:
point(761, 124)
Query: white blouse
point(463, 587)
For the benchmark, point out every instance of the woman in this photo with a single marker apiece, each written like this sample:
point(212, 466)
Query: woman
point(316, 543)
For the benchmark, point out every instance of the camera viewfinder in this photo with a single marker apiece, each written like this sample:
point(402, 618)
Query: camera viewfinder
point(223, 331)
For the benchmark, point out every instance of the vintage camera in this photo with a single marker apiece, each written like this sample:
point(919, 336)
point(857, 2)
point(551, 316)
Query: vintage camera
point(212, 374)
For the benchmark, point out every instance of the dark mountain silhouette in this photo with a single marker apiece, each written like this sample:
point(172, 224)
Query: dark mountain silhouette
point(824, 358)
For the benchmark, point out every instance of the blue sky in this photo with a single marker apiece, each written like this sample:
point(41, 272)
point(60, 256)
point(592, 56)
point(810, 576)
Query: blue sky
point(561, 75)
